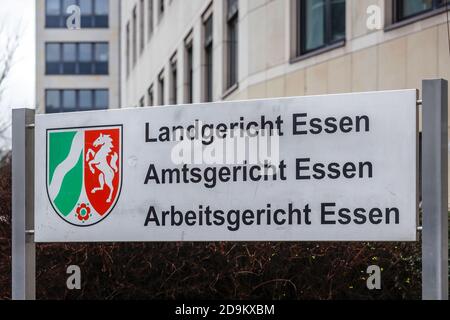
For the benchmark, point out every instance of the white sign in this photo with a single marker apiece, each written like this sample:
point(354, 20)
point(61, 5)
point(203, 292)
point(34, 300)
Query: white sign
point(323, 168)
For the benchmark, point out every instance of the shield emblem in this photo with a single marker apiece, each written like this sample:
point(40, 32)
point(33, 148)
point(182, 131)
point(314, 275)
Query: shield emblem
point(84, 172)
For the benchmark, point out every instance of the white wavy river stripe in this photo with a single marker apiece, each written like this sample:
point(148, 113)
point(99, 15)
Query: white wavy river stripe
point(64, 167)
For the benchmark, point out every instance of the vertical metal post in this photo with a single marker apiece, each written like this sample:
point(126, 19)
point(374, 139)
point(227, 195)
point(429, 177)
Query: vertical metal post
point(434, 190)
point(23, 246)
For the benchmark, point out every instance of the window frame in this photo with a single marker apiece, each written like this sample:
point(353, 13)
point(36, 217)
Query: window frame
point(393, 14)
point(61, 17)
point(232, 47)
point(189, 69)
point(134, 41)
point(61, 64)
point(128, 48)
point(151, 96)
point(208, 56)
point(161, 10)
point(174, 80)
point(300, 51)
point(161, 88)
point(150, 14)
point(141, 26)
point(77, 108)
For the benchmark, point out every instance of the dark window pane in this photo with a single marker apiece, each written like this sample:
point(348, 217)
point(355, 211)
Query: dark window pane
point(208, 31)
point(67, 4)
point(101, 52)
point(101, 58)
point(101, 99)
point(85, 52)
point(319, 23)
point(150, 17)
point(85, 58)
point(52, 52)
point(150, 96)
point(87, 21)
point(53, 22)
point(134, 44)
point(232, 7)
point(127, 48)
point(410, 8)
point(52, 103)
point(86, 7)
point(337, 20)
point(69, 58)
point(208, 59)
point(69, 52)
point(161, 89)
point(174, 83)
point(190, 73)
point(52, 68)
point(101, 22)
point(53, 58)
point(101, 7)
point(85, 99)
point(69, 102)
point(52, 7)
point(314, 24)
point(232, 51)
point(209, 73)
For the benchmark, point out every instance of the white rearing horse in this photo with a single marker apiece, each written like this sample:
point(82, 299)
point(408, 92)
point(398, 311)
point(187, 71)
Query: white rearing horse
point(100, 161)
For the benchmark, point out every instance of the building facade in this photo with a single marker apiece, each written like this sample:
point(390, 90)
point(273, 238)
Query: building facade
point(178, 52)
point(207, 50)
point(77, 69)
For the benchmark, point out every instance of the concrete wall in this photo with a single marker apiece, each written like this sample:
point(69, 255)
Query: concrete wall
point(110, 35)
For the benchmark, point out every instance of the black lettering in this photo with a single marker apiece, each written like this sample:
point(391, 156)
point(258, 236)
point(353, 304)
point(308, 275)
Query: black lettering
point(325, 213)
point(151, 175)
point(151, 217)
point(297, 123)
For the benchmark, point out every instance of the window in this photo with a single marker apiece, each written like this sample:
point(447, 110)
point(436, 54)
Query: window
point(53, 58)
point(151, 100)
point(52, 101)
point(134, 45)
point(232, 43)
point(101, 100)
point(405, 9)
point(128, 48)
point(142, 25)
point(174, 80)
point(69, 58)
point(189, 72)
point(150, 18)
point(101, 8)
point(94, 13)
point(85, 97)
point(69, 100)
point(101, 58)
point(83, 58)
point(161, 88)
point(161, 9)
point(320, 23)
point(76, 100)
point(208, 47)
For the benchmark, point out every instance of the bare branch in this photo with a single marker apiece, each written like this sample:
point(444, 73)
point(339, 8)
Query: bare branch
point(9, 43)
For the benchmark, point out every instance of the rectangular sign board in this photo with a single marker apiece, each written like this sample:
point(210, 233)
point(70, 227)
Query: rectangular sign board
point(319, 168)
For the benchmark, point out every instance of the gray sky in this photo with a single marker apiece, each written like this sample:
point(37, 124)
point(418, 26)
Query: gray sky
point(19, 89)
